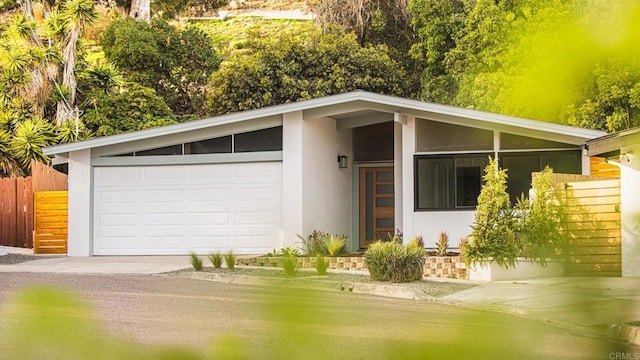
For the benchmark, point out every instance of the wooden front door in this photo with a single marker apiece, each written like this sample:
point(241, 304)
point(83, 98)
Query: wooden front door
point(376, 204)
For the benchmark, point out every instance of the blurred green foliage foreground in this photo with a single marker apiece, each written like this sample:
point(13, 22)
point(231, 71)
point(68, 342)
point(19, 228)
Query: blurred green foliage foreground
point(46, 323)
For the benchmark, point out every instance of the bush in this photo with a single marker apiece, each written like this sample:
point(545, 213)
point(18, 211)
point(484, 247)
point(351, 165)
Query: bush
point(336, 245)
point(216, 259)
point(493, 235)
point(196, 262)
point(230, 260)
point(541, 221)
point(290, 265)
point(314, 244)
point(390, 261)
point(321, 265)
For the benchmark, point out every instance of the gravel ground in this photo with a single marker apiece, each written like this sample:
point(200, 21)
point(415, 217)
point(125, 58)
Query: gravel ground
point(10, 259)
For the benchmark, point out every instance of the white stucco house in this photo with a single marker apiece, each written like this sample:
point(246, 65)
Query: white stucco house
point(623, 150)
point(358, 163)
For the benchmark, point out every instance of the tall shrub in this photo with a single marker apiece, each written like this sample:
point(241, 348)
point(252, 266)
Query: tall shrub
point(493, 236)
point(542, 219)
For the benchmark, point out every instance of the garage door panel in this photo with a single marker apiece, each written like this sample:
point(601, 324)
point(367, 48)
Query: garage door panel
point(168, 210)
point(221, 218)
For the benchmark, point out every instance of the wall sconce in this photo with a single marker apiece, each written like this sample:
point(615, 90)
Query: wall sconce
point(627, 157)
point(343, 161)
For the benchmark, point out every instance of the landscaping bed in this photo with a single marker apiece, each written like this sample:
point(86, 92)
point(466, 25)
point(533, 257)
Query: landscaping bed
point(427, 287)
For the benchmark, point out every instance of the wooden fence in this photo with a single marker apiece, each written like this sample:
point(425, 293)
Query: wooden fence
point(16, 206)
point(595, 228)
point(16, 203)
point(51, 219)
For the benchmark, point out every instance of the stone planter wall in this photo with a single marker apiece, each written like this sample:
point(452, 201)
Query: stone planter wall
point(308, 262)
point(525, 269)
point(452, 267)
point(435, 266)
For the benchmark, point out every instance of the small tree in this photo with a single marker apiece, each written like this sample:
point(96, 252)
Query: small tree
point(493, 235)
point(541, 229)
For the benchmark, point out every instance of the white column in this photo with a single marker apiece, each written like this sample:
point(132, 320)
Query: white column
point(630, 213)
point(80, 223)
point(397, 175)
point(291, 177)
point(408, 149)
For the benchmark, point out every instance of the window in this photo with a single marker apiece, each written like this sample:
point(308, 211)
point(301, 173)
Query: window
point(514, 142)
point(432, 136)
point(211, 146)
point(521, 165)
point(259, 140)
point(373, 142)
point(448, 182)
point(167, 150)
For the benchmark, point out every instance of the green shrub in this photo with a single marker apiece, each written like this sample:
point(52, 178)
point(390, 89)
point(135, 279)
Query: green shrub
point(493, 235)
point(216, 259)
point(286, 251)
point(336, 245)
point(541, 221)
point(196, 262)
point(416, 241)
point(230, 260)
point(442, 245)
point(321, 265)
point(290, 265)
point(390, 261)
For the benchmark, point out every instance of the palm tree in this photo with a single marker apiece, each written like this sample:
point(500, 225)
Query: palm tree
point(76, 14)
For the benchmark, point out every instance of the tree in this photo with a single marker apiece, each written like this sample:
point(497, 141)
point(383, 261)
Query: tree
point(76, 14)
point(493, 236)
point(141, 10)
point(136, 107)
point(176, 63)
point(298, 67)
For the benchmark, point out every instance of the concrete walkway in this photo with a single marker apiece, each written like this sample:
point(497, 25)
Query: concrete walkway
point(589, 303)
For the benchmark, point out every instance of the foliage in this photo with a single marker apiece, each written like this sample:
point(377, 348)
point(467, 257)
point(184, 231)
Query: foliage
point(542, 59)
point(391, 261)
point(216, 259)
point(321, 265)
point(493, 235)
point(285, 251)
point(442, 245)
point(314, 244)
point(134, 108)
point(290, 265)
point(416, 241)
point(335, 245)
point(462, 245)
point(176, 63)
point(294, 67)
point(230, 260)
point(541, 221)
point(196, 262)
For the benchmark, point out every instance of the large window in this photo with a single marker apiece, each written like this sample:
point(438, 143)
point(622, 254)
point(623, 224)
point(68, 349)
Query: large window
point(521, 165)
point(454, 182)
point(448, 182)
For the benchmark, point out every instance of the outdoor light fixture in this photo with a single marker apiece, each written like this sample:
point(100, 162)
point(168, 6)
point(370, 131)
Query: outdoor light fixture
point(343, 161)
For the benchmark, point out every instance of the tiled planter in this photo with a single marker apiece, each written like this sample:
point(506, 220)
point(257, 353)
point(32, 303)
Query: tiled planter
point(435, 266)
point(452, 267)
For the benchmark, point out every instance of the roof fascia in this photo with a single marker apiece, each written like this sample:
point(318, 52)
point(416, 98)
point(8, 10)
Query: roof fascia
point(613, 142)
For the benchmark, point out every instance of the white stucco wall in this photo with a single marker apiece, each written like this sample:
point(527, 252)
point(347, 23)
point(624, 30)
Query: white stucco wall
point(630, 212)
point(80, 220)
point(429, 224)
point(326, 189)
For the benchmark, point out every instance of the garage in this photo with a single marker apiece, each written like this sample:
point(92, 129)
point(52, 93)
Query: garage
point(178, 209)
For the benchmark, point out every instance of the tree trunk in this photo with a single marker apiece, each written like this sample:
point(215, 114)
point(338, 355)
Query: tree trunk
point(141, 10)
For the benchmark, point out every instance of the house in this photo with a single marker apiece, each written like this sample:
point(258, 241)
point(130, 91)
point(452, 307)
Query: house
point(358, 163)
point(623, 149)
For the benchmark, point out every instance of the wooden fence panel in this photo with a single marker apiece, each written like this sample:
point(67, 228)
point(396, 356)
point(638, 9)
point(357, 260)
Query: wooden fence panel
point(51, 220)
point(16, 210)
point(595, 227)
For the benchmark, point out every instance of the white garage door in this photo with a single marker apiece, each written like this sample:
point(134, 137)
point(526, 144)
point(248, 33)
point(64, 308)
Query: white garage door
point(173, 210)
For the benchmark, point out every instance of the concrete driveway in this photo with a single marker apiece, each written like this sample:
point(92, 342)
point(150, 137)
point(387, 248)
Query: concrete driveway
point(101, 265)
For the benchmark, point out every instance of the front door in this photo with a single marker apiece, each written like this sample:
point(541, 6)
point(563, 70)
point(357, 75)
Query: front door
point(376, 204)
